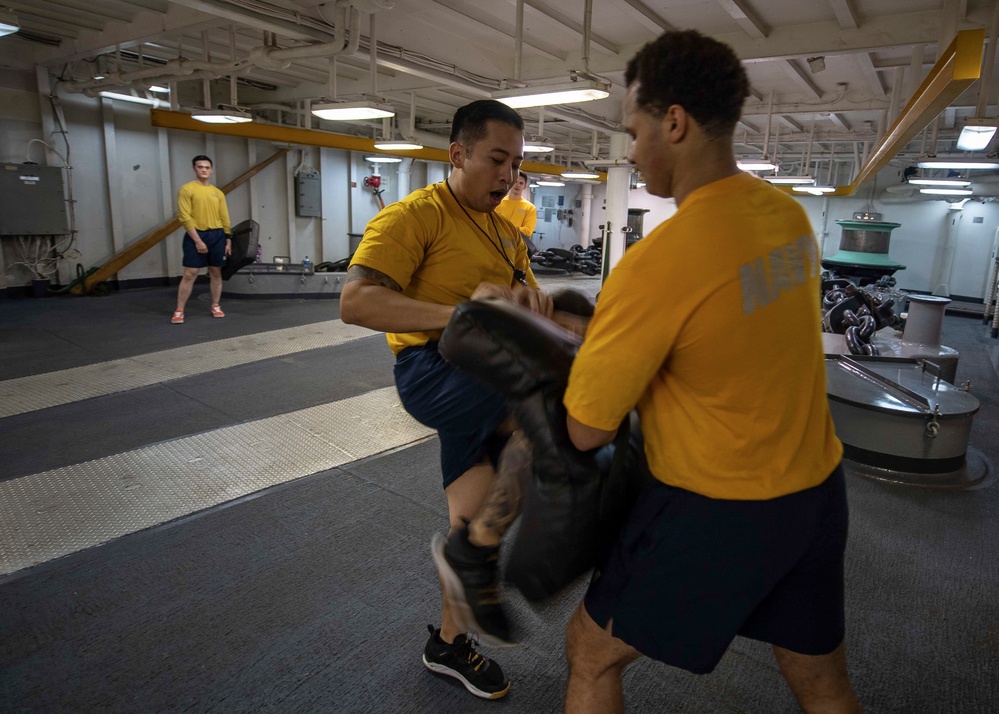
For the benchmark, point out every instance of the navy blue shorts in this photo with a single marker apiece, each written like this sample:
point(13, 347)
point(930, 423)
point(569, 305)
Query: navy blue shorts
point(465, 413)
point(215, 240)
point(688, 573)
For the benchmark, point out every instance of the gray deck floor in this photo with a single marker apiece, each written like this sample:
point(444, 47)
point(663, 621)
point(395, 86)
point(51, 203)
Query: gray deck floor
point(311, 591)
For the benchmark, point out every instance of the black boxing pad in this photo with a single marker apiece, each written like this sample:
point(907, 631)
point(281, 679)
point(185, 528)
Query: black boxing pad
point(244, 248)
point(508, 348)
point(575, 501)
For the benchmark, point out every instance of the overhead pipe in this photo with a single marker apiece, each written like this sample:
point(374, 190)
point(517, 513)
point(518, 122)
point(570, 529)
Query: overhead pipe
point(990, 58)
point(264, 57)
point(518, 44)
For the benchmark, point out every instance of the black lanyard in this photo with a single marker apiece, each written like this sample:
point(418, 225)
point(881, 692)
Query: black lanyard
point(519, 275)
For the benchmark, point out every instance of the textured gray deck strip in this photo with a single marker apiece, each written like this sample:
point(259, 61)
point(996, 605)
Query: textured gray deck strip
point(50, 514)
point(40, 391)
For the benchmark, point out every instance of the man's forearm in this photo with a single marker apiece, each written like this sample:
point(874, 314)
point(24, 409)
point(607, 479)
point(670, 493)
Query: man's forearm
point(385, 310)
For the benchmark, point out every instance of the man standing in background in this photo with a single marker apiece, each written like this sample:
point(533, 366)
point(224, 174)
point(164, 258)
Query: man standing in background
point(519, 211)
point(202, 210)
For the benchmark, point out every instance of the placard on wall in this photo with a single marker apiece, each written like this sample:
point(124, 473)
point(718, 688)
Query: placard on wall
point(32, 200)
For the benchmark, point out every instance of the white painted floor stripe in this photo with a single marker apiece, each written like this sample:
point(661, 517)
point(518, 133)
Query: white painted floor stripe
point(39, 391)
point(54, 513)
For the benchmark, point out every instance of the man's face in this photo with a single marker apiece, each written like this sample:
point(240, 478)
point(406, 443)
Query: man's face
point(203, 170)
point(650, 149)
point(517, 190)
point(490, 166)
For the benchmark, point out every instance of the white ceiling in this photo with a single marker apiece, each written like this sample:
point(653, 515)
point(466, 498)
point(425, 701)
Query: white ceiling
point(448, 52)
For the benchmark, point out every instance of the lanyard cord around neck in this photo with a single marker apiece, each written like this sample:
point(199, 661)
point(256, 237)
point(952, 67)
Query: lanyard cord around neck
point(519, 275)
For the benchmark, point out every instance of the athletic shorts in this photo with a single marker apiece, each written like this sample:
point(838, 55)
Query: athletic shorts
point(465, 413)
point(688, 573)
point(215, 240)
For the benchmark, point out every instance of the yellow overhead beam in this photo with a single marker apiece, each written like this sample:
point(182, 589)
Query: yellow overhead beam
point(958, 67)
point(315, 137)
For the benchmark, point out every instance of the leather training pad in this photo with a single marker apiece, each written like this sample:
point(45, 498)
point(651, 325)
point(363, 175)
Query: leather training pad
point(572, 509)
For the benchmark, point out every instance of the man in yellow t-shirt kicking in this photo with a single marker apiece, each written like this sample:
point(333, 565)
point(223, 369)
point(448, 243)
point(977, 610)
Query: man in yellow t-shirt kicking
point(709, 327)
point(202, 210)
point(419, 258)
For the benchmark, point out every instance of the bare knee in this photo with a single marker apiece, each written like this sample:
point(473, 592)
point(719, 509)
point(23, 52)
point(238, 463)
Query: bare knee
point(593, 651)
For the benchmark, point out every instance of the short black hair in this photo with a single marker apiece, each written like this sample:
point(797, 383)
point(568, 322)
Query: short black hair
point(469, 123)
point(201, 157)
point(697, 72)
point(525, 177)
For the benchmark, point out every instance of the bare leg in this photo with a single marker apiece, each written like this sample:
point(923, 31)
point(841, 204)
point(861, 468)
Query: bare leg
point(215, 283)
point(502, 503)
point(185, 287)
point(820, 683)
point(596, 662)
point(465, 496)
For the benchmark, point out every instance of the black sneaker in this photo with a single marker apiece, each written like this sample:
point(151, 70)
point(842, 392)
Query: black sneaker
point(480, 675)
point(470, 575)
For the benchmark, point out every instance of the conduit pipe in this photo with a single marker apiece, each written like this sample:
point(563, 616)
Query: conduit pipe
point(264, 57)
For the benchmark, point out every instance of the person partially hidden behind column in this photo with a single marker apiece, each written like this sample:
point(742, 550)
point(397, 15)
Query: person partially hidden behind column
point(202, 210)
point(709, 326)
point(519, 211)
point(419, 258)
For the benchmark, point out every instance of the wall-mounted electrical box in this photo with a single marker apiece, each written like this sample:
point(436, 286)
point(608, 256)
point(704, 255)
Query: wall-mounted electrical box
point(308, 195)
point(32, 201)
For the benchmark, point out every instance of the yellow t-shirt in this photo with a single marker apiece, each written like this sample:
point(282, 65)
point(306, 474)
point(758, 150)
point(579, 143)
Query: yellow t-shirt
point(710, 326)
point(520, 212)
point(434, 251)
point(202, 207)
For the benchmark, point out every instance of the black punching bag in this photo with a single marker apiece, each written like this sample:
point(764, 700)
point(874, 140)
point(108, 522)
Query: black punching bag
point(575, 501)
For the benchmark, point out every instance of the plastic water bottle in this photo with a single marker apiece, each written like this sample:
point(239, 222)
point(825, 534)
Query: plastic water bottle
point(260, 254)
point(306, 266)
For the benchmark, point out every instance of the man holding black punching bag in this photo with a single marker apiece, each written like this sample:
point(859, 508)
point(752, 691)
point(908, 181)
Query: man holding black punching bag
point(709, 327)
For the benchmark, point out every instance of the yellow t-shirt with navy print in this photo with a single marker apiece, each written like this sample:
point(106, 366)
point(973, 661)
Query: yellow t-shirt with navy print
point(710, 327)
point(520, 212)
point(429, 246)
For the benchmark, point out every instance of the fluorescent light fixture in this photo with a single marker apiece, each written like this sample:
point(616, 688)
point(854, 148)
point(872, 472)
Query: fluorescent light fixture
point(532, 185)
point(763, 164)
point(148, 101)
point(952, 183)
point(403, 145)
point(159, 89)
point(352, 111)
point(8, 22)
point(538, 145)
point(225, 115)
point(575, 174)
point(790, 180)
point(934, 163)
point(383, 159)
point(947, 191)
point(551, 183)
point(976, 134)
point(546, 94)
point(814, 190)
